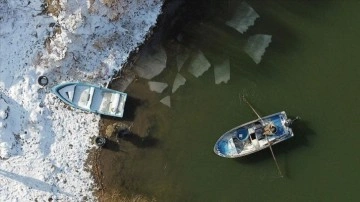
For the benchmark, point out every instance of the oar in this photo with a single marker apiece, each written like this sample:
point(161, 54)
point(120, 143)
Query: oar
point(272, 152)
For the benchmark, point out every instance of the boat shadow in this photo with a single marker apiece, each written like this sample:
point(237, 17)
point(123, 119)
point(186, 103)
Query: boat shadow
point(137, 140)
point(115, 144)
point(302, 131)
point(111, 145)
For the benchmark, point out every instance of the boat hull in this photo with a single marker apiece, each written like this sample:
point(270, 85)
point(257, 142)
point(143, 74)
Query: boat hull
point(254, 136)
point(91, 98)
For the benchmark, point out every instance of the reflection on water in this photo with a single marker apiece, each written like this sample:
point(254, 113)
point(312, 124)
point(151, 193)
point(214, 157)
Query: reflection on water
point(168, 151)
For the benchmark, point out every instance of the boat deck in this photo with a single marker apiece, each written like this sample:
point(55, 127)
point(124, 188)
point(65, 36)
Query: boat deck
point(92, 98)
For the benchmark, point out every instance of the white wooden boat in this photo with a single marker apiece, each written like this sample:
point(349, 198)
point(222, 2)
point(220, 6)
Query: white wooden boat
point(92, 98)
point(254, 136)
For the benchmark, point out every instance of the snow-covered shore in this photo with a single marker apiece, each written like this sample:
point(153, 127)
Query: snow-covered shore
point(44, 143)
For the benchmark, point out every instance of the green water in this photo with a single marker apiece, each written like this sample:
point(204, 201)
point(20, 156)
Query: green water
point(311, 69)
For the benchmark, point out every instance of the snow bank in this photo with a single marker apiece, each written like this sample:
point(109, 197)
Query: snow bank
point(44, 143)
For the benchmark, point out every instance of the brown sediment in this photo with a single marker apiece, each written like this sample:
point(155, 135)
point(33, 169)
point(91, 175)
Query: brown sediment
point(111, 165)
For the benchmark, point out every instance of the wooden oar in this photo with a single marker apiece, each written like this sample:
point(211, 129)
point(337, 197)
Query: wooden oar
point(272, 152)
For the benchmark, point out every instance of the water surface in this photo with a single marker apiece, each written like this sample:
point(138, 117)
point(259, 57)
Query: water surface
point(310, 69)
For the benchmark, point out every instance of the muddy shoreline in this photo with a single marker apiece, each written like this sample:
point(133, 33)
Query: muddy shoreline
point(128, 138)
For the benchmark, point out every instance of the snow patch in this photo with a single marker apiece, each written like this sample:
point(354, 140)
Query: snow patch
point(43, 142)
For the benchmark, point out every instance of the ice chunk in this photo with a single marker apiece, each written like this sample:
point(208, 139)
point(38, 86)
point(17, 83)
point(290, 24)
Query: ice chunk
point(166, 101)
point(179, 81)
point(222, 71)
point(124, 80)
point(199, 64)
point(256, 45)
point(151, 63)
point(158, 87)
point(243, 18)
point(181, 59)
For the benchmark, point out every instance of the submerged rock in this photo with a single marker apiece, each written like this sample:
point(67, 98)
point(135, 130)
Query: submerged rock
point(256, 45)
point(179, 81)
point(222, 71)
point(199, 64)
point(243, 18)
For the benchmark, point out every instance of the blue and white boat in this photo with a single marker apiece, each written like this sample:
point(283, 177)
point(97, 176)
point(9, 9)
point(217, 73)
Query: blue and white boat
point(254, 136)
point(92, 98)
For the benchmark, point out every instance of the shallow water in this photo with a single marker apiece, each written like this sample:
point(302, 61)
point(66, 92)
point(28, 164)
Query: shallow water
point(310, 69)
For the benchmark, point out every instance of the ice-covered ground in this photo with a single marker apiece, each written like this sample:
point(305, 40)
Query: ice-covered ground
point(44, 143)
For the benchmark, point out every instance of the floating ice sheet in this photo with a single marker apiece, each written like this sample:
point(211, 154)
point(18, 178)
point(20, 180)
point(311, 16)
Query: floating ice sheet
point(179, 81)
point(151, 64)
point(243, 18)
point(181, 59)
point(256, 45)
point(158, 87)
point(222, 71)
point(166, 101)
point(199, 64)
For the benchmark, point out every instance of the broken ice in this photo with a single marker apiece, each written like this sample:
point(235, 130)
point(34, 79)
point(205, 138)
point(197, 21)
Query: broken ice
point(179, 81)
point(151, 64)
point(199, 64)
point(124, 80)
point(158, 87)
point(181, 59)
point(256, 45)
point(243, 18)
point(222, 71)
point(166, 101)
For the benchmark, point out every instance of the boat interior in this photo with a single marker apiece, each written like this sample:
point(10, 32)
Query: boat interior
point(94, 99)
point(254, 136)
